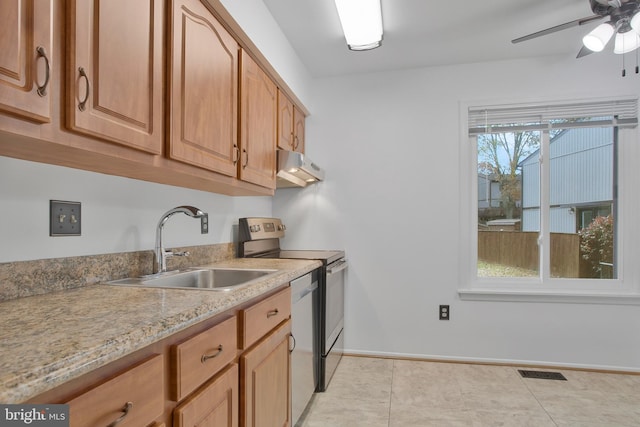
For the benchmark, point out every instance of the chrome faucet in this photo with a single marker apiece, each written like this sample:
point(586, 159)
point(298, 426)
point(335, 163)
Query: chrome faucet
point(161, 254)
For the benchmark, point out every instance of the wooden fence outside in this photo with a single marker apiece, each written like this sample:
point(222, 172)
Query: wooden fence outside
point(520, 249)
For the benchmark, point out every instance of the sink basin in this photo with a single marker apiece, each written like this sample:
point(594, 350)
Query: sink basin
point(215, 279)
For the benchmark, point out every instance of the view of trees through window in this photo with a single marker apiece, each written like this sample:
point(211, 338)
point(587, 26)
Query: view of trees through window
point(569, 205)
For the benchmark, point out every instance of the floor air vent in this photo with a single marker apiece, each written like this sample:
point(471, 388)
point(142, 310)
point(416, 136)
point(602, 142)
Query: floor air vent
point(542, 375)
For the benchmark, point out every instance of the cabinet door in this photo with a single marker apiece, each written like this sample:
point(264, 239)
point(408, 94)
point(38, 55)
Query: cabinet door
point(285, 122)
point(114, 84)
point(298, 130)
point(265, 380)
point(215, 405)
point(25, 58)
point(258, 121)
point(203, 90)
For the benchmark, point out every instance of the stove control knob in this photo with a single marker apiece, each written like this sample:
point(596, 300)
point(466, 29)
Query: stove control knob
point(254, 228)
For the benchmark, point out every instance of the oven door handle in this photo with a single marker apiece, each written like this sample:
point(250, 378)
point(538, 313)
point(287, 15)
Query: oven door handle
point(337, 267)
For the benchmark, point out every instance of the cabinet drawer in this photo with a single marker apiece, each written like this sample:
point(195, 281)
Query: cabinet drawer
point(260, 318)
point(140, 389)
point(216, 404)
point(200, 357)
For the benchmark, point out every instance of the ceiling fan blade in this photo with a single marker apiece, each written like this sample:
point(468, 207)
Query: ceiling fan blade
point(584, 52)
point(560, 27)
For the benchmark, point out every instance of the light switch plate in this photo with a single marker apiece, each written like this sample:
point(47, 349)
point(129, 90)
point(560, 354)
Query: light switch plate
point(64, 218)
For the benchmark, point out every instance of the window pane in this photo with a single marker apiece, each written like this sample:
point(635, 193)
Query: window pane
point(508, 207)
point(581, 206)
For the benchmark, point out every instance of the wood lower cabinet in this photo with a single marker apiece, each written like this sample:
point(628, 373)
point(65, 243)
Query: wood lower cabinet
point(230, 370)
point(115, 71)
point(134, 397)
point(256, 321)
point(203, 90)
point(265, 381)
point(258, 124)
point(215, 405)
point(26, 58)
point(199, 357)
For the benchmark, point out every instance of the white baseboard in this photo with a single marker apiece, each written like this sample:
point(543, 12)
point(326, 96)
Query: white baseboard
point(491, 361)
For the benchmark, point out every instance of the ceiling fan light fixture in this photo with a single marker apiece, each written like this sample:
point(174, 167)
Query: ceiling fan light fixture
point(598, 38)
point(361, 23)
point(635, 22)
point(626, 42)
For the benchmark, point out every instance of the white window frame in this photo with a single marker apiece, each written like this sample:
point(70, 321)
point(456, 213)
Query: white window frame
point(624, 289)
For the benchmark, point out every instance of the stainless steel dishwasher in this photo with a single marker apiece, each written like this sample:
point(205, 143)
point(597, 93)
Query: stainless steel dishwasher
point(304, 324)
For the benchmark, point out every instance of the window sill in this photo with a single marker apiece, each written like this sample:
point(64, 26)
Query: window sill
point(585, 297)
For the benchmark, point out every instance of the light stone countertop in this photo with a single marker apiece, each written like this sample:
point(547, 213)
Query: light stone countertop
point(47, 340)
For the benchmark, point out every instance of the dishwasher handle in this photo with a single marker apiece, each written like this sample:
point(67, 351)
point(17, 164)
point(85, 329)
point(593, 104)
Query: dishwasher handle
point(337, 267)
point(295, 297)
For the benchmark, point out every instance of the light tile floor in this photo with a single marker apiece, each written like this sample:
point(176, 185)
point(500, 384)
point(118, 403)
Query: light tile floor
point(376, 392)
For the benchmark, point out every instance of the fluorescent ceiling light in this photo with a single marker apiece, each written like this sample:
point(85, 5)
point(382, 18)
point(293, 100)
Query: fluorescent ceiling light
point(361, 23)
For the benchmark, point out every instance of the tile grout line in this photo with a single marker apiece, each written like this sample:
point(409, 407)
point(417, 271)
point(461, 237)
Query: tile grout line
point(393, 369)
point(535, 397)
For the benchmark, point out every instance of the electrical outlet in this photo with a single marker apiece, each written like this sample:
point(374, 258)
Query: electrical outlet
point(444, 312)
point(64, 218)
point(204, 224)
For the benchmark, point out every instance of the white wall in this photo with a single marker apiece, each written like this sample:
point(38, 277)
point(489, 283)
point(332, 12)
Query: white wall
point(118, 214)
point(256, 21)
point(390, 144)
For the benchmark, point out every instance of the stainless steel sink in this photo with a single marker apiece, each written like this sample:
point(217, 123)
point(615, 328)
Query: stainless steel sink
point(214, 279)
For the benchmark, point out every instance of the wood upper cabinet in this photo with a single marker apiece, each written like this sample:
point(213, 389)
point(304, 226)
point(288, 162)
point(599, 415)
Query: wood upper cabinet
point(203, 89)
point(115, 69)
point(298, 129)
point(285, 122)
point(291, 121)
point(265, 381)
point(26, 58)
point(258, 124)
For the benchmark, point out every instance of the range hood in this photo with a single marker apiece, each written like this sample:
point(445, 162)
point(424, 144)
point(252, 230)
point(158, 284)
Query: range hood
point(295, 170)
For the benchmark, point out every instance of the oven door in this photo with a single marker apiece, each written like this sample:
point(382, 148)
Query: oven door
point(334, 302)
point(333, 310)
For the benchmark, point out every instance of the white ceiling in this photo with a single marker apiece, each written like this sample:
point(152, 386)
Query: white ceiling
point(423, 33)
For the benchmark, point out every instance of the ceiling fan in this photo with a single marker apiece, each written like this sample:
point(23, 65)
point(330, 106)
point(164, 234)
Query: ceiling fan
point(624, 22)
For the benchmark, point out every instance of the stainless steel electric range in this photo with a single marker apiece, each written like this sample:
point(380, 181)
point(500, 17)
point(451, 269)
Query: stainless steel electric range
point(260, 237)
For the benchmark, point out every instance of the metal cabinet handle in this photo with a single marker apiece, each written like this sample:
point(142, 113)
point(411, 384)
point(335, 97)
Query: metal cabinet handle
point(236, 154)
point(125, 412)
point(81, 105)
point(272, 313)
point(246, 158)
point(294, 343)
point(206, 357)
point(296, 142)
point(42, 90)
